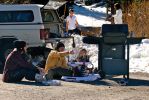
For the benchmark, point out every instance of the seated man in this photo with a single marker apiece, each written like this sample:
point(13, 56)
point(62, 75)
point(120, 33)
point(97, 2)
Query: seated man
point(56, 65)
point(18, 67)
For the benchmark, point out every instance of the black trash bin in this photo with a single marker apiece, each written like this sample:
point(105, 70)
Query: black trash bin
point(113, 49)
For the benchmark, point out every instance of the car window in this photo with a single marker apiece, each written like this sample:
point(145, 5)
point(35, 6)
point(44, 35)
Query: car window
point(16, 16)
point(47, 16)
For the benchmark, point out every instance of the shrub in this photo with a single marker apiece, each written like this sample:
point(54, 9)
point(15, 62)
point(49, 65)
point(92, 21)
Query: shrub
point(137, 18)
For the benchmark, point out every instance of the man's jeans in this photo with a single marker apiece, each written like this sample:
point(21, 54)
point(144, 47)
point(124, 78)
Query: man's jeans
point(57, 73)
point(74, 31)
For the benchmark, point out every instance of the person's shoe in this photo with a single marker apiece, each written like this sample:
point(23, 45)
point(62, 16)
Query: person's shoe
point(39, 78)
point(123, 82)
point(51, 82)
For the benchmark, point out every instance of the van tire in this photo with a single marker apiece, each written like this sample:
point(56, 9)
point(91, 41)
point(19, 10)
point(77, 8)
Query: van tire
point(1, 67)
point(6, 49)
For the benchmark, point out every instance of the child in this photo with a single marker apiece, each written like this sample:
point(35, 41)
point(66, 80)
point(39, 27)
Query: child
point(83, 57)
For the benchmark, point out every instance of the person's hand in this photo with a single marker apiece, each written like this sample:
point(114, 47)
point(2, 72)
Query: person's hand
point(71, 52)
point(41, 70)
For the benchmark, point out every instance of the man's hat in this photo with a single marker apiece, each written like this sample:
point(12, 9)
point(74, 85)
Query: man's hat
point(19, 44)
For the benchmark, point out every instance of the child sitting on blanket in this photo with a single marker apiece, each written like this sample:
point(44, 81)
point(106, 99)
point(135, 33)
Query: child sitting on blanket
point(81, 70)
point(83, 57)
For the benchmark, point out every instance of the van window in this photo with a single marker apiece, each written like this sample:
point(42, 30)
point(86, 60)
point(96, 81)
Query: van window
point(16, 16)
point(47, 16)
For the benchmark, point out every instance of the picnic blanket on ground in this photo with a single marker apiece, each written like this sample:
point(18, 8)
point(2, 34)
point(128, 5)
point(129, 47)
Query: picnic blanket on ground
point(90, 77)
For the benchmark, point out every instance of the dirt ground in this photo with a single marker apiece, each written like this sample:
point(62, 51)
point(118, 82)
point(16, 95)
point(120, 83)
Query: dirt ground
point(105, 89)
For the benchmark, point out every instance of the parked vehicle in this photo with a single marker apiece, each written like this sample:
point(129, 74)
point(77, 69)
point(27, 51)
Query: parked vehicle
point(32, 23)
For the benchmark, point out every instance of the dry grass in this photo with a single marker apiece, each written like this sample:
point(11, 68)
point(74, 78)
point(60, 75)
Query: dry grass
point(137, 18)
point(90, 31)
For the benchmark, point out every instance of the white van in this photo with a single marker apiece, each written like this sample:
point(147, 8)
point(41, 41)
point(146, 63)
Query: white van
point(32, 23)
